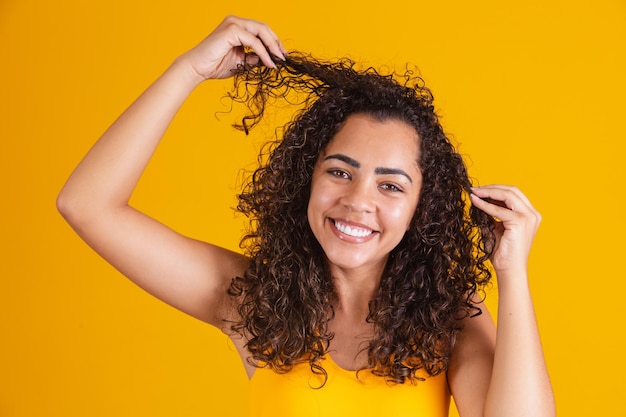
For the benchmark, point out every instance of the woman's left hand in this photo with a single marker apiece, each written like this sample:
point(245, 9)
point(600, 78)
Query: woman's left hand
point(517, 222)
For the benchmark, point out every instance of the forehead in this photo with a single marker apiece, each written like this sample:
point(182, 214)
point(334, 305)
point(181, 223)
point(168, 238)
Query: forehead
point(362, 136)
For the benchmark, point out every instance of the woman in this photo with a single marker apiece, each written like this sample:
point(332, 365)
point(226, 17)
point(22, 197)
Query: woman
point(359, 283)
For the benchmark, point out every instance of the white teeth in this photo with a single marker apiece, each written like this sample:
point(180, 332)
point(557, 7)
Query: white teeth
point(352, 231)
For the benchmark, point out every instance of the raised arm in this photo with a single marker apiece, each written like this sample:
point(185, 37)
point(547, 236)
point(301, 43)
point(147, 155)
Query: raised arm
point(190, 275)
point(501, 372)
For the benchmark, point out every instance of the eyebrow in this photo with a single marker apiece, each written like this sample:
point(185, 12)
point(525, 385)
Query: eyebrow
point(378, 171)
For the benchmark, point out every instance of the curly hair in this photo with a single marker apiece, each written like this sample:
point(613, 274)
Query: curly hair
point(430, 280)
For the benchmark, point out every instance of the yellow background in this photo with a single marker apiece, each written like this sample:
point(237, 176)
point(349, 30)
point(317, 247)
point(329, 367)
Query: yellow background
point(533, 91)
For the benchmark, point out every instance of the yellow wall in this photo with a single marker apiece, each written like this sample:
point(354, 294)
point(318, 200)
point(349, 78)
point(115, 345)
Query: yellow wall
point(534, 92)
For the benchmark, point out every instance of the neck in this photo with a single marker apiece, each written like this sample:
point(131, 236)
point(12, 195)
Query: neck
point(355, 289)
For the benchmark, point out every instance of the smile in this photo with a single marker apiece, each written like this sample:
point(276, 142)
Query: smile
point(352, 230)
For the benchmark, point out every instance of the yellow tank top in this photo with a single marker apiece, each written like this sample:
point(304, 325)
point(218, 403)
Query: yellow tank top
point(295, 394)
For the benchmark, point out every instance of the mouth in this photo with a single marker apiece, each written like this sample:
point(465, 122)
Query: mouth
point(352, 230)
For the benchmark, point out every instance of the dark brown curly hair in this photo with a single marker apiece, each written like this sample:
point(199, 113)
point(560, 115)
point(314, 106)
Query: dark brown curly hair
point(286, 295)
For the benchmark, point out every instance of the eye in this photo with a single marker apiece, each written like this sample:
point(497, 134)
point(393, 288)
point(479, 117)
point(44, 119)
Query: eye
point(339, 173)
point(391, 187)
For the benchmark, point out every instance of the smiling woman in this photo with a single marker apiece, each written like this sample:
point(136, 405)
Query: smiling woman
point(362, 194)
point(365, 258)
point(354, 160)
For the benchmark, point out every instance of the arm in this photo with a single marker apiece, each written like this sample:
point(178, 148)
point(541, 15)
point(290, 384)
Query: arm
point(190, 275)
point(502, 372)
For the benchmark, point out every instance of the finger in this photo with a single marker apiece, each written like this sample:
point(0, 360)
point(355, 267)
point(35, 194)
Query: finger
point(506, 188)
point(268, 38)
point(497, 211)
point(492, 201)
point(500, 204)
point(504, 196)
point(504, 203)
point(271, 41)
point(251, 59)
point(248, 40)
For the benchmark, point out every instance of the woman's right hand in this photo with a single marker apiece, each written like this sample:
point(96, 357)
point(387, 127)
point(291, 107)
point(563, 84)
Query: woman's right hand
point(190, 275)
point(224, 49)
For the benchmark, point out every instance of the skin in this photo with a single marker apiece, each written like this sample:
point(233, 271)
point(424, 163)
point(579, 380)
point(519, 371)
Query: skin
point(363, 183)
point(492, 372)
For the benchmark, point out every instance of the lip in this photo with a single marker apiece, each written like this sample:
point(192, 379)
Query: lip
point(351, 238)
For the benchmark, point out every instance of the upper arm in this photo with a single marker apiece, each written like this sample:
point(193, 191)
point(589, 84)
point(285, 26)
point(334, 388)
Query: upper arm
point(190, 275)
point(471, 364)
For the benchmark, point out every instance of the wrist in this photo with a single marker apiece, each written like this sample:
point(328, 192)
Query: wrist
point(512, 280)
point(185, 72)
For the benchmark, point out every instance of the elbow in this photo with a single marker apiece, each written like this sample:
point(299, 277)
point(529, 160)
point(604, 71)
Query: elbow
point(66, 205)
point(73, 207)
point(82, 209)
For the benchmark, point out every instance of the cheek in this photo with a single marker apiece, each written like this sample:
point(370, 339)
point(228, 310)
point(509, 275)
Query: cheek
point(402, 216)
point(315, 206)
point(399, 216)
point(321, 196)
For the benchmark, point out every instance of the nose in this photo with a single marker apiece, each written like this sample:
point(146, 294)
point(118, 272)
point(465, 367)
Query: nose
point(359, 197)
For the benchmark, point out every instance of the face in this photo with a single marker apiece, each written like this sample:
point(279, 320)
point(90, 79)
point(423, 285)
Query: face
point(364, 192)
